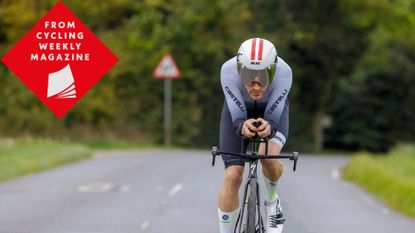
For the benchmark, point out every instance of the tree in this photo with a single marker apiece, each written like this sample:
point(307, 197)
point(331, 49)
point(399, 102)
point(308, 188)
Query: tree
point(381, 111)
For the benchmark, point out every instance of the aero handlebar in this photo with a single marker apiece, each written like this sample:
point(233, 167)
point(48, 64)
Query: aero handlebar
point(255, 156)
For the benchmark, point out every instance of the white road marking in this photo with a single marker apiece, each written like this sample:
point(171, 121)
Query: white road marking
point(98, 187)
point(385, 211)
point(335, 173)
point(145, 225)
point(177, 188)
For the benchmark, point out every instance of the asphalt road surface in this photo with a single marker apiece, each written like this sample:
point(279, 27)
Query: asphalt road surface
point(159, 191)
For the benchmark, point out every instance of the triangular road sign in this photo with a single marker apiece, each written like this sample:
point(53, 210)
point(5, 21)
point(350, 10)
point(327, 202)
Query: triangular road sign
point(167, 68)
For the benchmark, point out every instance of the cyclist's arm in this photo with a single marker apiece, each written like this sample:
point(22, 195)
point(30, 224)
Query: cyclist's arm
point(278, 104)
point(231, 87)
point(281, 134)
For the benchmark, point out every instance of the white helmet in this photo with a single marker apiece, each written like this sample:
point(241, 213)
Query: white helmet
point(257, 58)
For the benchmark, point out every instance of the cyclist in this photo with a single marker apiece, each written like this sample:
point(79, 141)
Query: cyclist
point(256, 83)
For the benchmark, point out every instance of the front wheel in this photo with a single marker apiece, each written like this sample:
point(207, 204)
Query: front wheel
point(251, 207)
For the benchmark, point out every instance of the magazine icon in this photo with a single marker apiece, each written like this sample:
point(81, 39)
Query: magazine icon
point(61, 84)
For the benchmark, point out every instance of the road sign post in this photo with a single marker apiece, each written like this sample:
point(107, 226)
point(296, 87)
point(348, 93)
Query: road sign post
point(167, 70)
point(167, 112)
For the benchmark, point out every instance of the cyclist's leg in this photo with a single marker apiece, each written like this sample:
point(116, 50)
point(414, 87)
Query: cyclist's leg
point(228, 202)
point(272, 168)
point(229, 192)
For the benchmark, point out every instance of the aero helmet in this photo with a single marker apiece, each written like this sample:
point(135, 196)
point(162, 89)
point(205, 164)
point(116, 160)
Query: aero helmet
point(256, 57)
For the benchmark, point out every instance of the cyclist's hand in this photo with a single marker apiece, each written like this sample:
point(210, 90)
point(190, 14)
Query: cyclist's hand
point(265, 129)
point(248, 129)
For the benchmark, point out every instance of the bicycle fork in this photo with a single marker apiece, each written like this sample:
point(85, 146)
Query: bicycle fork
point(253, 177)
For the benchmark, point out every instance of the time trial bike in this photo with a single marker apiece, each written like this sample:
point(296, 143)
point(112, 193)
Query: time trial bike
point(250, 219)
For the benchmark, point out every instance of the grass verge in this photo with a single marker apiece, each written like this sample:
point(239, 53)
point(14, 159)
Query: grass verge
point(390, 177)
point(25, 156)
point(19, 157)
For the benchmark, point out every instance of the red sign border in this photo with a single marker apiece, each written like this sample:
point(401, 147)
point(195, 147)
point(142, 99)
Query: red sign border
point(177, 76)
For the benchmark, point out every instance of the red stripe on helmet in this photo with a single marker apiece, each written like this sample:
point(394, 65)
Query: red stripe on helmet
point(261, 47)
point(253, 49)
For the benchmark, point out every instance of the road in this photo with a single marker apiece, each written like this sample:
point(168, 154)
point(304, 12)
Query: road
point(158, 191)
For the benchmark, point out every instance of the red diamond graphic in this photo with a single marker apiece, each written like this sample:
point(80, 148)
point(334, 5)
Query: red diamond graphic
point(60, 59)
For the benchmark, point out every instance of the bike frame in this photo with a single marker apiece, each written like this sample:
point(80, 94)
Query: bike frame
point(252, 177)
point(253, 158)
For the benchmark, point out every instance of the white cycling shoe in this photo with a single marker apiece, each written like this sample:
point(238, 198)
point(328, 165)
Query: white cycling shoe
point(274, 219)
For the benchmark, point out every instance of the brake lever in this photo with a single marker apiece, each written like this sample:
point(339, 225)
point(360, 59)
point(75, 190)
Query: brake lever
point(295, 158)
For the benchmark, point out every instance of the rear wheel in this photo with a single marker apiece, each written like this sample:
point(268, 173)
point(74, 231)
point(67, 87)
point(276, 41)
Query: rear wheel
point(251, 208)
